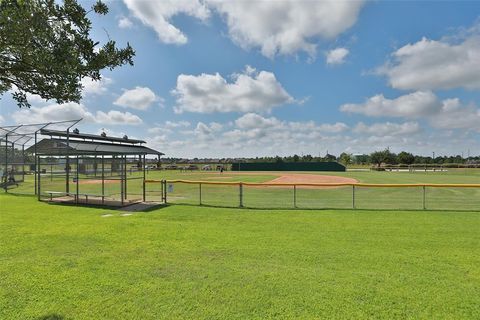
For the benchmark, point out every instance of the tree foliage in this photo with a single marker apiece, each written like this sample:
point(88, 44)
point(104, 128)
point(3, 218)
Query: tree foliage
point(46, 49)
point(405, 158)
point(383, 156)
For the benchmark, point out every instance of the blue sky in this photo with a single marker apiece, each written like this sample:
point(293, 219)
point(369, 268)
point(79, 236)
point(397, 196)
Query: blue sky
point(246, 78)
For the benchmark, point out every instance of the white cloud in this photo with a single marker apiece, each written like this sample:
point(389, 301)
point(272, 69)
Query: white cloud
point(286, 27)
point(53, 112)
point(253, 135)
point(117, 117)
point(253, 120)
point(173, 124)
point(324, 127)
point(91, 87)
point(388, 128)
point(73, 111)
point(429, 65)
point(250, 91)
point(276, 27)
point(140, 98)
point(124, 23)
point(412, 105)
point(442, 114)
point(158, 15)
point(337, 56)
point(2, 119)
point(453, 115)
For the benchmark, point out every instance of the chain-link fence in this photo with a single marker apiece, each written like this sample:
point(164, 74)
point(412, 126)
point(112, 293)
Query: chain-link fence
point(316, 196)
point(91, 180)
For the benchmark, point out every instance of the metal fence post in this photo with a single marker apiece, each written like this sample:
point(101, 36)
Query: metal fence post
point(353, 196)
point(294, 195)
point(240, 189)
point(144, 197)
point(165, 191)
point(38, 187)
point(424, 204)
point(200, 192)
point(76, 185)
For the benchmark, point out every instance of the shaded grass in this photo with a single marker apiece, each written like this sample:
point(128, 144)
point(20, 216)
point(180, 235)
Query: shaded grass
point(215, 263)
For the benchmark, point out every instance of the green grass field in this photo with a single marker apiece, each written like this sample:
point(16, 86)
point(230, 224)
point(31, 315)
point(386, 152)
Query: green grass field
point(283, 198)
point(184, 262)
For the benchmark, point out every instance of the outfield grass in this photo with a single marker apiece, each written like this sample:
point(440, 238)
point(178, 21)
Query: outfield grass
point(274, 197)
point(215, 263)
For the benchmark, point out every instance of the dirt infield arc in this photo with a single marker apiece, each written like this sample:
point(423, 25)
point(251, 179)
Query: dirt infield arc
point(298, 178)
point(289, 178)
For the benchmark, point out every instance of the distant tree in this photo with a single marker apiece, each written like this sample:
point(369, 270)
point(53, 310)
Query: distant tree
point(361, 159)
point(384, 156)
point(405, 158)
point(296, 158)
point(46, 49)
point(329, 157)
point(345, 158)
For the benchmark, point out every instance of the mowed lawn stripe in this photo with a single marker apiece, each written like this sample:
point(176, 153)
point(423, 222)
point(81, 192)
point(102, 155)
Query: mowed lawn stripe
point(215, 263)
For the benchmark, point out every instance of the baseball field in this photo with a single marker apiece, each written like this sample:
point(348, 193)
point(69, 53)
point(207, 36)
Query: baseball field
point(185, 261)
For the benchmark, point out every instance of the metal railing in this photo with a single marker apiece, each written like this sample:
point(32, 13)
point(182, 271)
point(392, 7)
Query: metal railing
point(315, 195)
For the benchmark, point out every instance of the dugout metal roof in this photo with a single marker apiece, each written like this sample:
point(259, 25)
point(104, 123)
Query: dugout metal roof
point(60, 147)
point(84, 136)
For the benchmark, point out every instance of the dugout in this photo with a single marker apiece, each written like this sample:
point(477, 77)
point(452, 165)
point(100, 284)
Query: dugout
point(78, 168)
point(288, 166)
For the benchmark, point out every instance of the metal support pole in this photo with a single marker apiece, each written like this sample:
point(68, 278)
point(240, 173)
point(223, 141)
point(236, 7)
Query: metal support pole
point(200, 192)
point(67, 164)
point(23, 162)
point(240, 189)
point(6, 163)
point(144, 178)
point(162, 192)
point(294, 195)
point(122, 185)
point(76, 191)
point(103, 179)
point(125, 175)
point(37, 175)
point(35, 160)
point(353, 196)
point(424, 203)
point(165, 191)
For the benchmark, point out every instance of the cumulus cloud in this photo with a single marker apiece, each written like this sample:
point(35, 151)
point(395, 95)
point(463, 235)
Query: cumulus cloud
point(286, 27)
point(430, 64)
point(140, 98)
point(117, 117)
point(250, 91)
point(412, 105)
point(177, 124)
point(388, 128)
point(442, 114)
point(158, 15)
point(256, 135)
point(453, 115)
point(92, 87)
point(124, 23)
point(253, 120)
point(337, 56)
point(71, 111)
point(276, 27)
